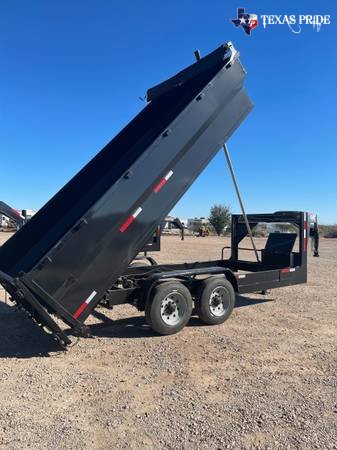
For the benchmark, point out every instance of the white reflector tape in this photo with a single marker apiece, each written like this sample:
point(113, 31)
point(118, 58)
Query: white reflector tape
point(138, 211)
point(169, 175)
point(91, 297)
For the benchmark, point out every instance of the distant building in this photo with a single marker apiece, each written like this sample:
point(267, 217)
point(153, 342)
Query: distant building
point(197, 223)
point(168, 222)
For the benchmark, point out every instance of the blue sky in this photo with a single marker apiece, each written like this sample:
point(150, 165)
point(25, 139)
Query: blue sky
point(71, 73)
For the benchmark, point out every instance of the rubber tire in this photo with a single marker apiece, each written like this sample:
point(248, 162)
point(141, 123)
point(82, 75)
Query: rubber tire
point(137, 264)
point(140, 263)
point(202, 300)
point(153, 307)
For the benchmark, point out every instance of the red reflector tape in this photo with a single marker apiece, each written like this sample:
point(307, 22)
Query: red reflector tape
point(163, 181)
point(126, 224)
point(80, 310)
point(129, 220)
point(16, 212)
point(84, 304)
point(288, 269)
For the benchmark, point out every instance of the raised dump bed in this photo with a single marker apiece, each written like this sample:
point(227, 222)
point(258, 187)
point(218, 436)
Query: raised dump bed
point(73, 250)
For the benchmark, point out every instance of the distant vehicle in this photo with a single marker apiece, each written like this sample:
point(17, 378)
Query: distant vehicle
point(11, 219)
point(203, 232)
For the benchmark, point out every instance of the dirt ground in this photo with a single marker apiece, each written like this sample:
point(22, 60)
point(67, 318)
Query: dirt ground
point(266, 379)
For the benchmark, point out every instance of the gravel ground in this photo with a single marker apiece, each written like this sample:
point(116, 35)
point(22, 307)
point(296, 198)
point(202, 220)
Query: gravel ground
point(266, 379)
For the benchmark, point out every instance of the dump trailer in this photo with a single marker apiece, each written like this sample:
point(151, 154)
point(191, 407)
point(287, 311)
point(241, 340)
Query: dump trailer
point(14, 216)
point(74, 254)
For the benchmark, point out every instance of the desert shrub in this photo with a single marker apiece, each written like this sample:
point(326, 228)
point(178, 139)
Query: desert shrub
point(328, 231)
point(261, 230)
point(219, 218)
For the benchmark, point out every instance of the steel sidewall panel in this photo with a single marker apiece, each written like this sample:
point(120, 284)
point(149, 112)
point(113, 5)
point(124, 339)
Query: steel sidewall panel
point(94, 256)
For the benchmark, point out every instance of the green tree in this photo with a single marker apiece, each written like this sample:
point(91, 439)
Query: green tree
point(219, 218)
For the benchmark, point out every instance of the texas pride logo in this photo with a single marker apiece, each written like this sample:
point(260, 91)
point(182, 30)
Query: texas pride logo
point(247, 21)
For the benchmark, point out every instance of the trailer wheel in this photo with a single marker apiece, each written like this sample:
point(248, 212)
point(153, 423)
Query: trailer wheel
point(143, 262)
point(138, 264)
point(169, 308)
point(215, 300)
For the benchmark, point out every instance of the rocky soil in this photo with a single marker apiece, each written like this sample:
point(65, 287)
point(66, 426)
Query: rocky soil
point(266, 379)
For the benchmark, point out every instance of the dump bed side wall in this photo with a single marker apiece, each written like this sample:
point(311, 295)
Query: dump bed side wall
point(42, 232)
point(91, 257)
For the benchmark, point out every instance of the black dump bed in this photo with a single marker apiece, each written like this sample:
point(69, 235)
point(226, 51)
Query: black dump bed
point(83, 239)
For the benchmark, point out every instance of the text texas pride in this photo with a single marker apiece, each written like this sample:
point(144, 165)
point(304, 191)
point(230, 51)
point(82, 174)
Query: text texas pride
point(250, 21)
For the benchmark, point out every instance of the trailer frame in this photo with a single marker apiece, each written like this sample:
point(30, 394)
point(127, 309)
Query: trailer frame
point(257, 276)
